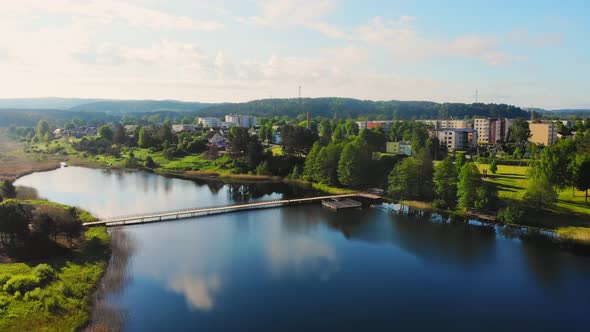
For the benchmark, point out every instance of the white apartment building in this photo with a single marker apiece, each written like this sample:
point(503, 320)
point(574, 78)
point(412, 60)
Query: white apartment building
point(457, 139)
point(241, 120)
point(210, 122)
point(492, 130)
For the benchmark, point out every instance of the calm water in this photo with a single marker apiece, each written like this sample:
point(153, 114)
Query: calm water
point(306, 268)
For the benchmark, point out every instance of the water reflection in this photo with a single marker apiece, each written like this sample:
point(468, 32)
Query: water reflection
point(198, 291)
point(308, 268)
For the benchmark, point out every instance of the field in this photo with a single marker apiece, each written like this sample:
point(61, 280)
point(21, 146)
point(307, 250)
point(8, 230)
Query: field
point(570, 210)
point(14, 162)
point(63, 302)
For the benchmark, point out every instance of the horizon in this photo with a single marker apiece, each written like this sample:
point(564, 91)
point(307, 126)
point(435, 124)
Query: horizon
point(528, 54)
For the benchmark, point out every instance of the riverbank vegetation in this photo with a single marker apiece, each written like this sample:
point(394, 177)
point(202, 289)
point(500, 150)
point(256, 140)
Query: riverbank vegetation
point(521, 183)
point(50, 265)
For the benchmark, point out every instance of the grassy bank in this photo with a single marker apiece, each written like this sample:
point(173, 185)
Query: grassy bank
point(570, 216)
point(56, 303)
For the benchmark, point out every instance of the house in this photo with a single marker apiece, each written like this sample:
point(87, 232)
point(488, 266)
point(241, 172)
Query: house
point(401, 147)
point(179, 128)
point(58, 132)
point(276, 138)
point(217, 140)
point(129, 129)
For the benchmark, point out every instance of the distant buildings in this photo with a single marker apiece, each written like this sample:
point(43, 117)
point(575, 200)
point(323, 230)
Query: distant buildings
point(454, 124)
point(209, 122)
point(180, 128)
point(241, 120)
point(399, 148)
point(385, 124)
point(456, 139)
point(78, 132)
point(543, 133)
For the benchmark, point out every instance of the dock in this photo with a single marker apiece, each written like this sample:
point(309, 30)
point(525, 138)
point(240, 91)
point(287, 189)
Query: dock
point(199, 212)
point(339, 204)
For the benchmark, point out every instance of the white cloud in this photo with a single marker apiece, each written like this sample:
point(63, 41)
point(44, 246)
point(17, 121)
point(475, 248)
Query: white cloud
point(291, 12)
point(107, 11)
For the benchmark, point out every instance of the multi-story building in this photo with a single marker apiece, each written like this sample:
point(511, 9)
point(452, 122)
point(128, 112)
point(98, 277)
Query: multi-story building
point(457, 139)
point(241, 120)
point(401, 147)
point(455, 124)
point(385, 124)
point(491, 130)
point(543, 133)
point(210, 122)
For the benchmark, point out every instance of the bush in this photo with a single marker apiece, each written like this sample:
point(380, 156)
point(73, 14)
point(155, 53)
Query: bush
point(52, 305)
point(44, 273)
point(510, 214)
point(440, 204)
point(34, 295)
point(4, 278)
point(149, 162)
point(21, 284)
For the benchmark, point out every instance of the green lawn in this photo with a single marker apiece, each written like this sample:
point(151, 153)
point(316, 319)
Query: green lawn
point(570, 210)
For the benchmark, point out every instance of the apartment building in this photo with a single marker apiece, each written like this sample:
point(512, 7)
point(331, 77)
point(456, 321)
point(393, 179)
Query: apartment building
point(209, 122)
point(491, 130)
point(543, 133)
point(455, 124)
point(457, 139)
point(241, 120)
point(384, 124)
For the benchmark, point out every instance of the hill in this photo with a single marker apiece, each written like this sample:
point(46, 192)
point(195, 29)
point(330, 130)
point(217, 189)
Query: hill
point(139, 106)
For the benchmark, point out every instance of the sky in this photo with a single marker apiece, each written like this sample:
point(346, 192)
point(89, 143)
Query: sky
point(529, 53)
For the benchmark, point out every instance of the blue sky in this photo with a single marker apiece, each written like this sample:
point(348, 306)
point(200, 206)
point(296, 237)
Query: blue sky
point(528, 53)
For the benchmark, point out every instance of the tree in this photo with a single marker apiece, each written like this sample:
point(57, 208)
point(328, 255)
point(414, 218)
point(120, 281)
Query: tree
point(149, 162)
point(352, 166)
point(554, 163)
point(119, 136)
point(327, 164)
point(467, 187)
point(8, 190)
point(144, 139)
point(445, 182)
point(412, 178)
point(375, 139)
point(493, 166)
point(297, 140)
point(14, 220)
point(44, 224)
point(42, 129)
point(582, 173)
point(105, 132)
point(519, 132)
point(540, 193)
point(309, 168)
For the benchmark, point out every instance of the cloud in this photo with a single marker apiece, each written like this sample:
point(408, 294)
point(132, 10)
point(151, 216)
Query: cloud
point(107, 11)
point(198, 291)
point(523, 36)
point(405, 42)
point(291, 12)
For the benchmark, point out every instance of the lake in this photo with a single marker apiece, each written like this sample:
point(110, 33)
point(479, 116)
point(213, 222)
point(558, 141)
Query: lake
point(307, 268)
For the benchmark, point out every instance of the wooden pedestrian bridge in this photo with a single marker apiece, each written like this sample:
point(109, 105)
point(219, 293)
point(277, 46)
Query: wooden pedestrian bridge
point(192, 213)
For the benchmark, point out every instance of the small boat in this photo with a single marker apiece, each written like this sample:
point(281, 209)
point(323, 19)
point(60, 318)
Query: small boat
point(63, 164)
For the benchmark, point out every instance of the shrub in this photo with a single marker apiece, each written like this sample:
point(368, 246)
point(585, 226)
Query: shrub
point(52, 304)
point(510, 214)
point(4, 278)
point(33, 295)
point(21, 283)
point(44, 273)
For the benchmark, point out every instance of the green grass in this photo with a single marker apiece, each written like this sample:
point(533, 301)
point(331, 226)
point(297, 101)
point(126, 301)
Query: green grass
point(333, 190)
point(64, 303)
point(570, 209)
